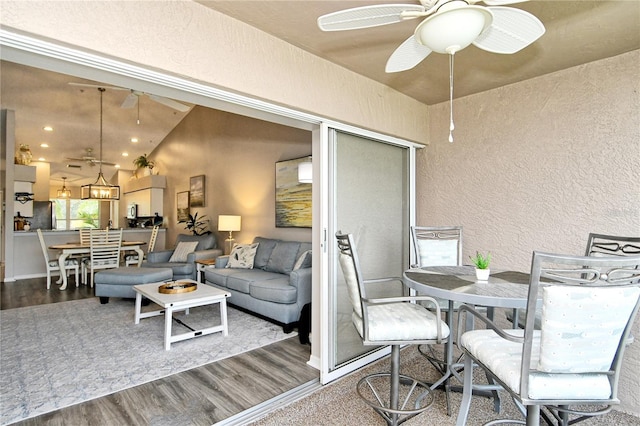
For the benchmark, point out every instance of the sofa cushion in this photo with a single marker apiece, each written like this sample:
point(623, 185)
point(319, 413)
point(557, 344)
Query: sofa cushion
point(283, 257)
point(205, 242)
point(218, 276)
point(278, 291)
point(242, 279)
point(263, 253)
point(303, 248)
point(182, 251)
point(242, 256)
point(304, 261)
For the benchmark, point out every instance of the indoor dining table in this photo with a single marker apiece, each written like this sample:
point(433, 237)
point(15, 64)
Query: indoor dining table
point(504, 289)
point(76, 247)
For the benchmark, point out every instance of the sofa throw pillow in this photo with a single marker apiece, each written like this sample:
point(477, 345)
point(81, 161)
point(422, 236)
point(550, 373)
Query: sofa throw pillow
point(242, 256)
point(182, 251)
point(304, 261)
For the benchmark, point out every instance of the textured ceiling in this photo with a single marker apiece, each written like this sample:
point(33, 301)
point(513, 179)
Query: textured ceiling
point(577, 32)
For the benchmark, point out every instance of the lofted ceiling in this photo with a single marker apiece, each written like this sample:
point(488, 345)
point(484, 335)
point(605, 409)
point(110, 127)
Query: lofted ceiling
point(577, 32)
point(43, 98)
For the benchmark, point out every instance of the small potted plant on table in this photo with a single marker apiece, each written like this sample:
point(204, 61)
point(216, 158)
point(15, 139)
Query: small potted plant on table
point(481, 263)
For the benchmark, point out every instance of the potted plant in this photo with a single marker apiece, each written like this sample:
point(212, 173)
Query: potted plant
point(144, 163)
point(195, 225)
point(481, 263)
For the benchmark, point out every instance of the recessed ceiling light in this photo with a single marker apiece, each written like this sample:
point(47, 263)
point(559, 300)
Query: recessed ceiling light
point(47, 129)
point(117, 166)
point(125, 154)
point(134, 140)
point(41, 159)
point(44, 145)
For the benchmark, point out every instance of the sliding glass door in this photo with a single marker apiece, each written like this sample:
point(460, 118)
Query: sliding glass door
point(370, 196)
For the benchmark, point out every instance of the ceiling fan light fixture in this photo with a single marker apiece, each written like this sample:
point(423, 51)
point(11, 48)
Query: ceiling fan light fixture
point(449, 31)
point(101, 189)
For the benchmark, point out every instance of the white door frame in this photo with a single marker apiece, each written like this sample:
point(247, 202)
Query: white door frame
point(48, 55)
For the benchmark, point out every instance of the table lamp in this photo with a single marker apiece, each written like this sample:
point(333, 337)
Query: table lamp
point(229, 223)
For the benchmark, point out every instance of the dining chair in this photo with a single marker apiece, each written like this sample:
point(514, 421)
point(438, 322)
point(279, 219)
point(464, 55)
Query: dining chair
point(105, 251)
point(570, 367)
point(391, 321)
point(437, 246)
point(597, 245)
point(132, 259)
point(83, 258)
point(53, 264)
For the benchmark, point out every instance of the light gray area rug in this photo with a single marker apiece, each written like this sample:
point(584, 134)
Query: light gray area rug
point(57, 355)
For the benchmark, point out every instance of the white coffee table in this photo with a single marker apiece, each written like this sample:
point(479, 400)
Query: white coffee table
point(203, 295)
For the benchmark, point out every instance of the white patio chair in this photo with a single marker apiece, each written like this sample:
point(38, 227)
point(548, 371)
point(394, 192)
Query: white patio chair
point(391, 321)
point(598, 245)
point(53, 265)
point(571, 365)
point(132, 259)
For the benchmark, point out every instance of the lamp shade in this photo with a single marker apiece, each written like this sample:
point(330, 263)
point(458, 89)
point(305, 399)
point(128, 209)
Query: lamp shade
point(305, 172)
point(449, 31)
point(229, 223)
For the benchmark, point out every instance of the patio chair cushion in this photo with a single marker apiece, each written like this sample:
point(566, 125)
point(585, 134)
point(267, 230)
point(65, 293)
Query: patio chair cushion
point(503, 358)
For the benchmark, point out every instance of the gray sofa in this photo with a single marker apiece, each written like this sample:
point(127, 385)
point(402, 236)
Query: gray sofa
point(272, 289)
point(206, 249)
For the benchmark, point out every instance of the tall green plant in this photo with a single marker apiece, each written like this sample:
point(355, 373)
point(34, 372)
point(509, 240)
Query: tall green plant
point(195, 225)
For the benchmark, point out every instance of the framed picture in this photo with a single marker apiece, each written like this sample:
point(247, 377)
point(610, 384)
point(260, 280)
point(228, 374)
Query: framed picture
point(196, 187)
point(293, 199)
point(182, 204)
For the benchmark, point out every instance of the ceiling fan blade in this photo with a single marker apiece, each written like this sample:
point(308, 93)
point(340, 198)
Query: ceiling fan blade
point(170, 103)
point(76, 159)
point(104, 163)
point(511, 31)
point(409, 54)
point(367, 16)
point(497, 2)
point(130, 101)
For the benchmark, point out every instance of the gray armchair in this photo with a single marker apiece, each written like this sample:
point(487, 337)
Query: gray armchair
point(206, 249)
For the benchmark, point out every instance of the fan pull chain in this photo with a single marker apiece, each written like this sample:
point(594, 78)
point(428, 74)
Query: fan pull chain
point(138, 103)
point(451, 126)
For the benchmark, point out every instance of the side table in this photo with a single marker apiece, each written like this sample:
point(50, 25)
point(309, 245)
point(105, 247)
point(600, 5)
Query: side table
point(201, 264)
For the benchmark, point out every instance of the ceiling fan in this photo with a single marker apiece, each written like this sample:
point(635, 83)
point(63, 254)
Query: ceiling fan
point(448, 27)
point(132, 99)
point(90, 159)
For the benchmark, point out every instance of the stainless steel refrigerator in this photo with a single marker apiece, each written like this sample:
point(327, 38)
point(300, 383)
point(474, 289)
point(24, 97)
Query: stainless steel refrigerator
point(44, 215)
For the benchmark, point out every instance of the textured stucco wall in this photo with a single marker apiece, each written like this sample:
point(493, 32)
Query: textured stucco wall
point(537, 166)
point(186, 38)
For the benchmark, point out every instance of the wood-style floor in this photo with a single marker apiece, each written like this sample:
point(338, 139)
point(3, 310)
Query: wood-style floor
point(201, 396)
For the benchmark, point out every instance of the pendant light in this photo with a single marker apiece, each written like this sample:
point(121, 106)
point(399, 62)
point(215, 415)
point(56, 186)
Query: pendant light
point(101, 189)
point(64, 192)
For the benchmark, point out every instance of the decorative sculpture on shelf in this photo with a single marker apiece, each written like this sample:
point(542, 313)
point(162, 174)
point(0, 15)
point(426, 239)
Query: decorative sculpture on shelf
point(24, 155)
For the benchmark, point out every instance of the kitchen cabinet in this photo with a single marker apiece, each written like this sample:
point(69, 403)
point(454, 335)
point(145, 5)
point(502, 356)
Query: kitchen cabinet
point(148, 193)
